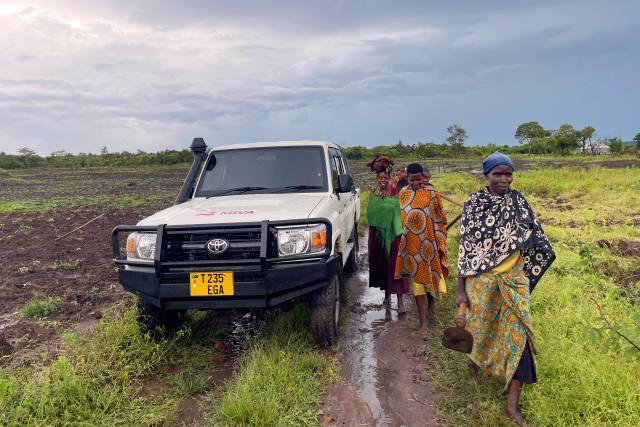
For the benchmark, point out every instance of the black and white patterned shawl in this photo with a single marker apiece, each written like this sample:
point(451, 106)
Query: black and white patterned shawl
point(494, 227)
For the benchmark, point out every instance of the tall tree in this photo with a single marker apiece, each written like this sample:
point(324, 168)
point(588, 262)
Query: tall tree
point(28, 155)
point(615, 145)
point(584, 138)
point(456, 138)
point(542, 145)
point(26, 152)
point(527, 132)
point(636, 139)
point(565, 138)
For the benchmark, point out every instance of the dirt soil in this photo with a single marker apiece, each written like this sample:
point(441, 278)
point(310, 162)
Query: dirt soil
point(628, 248)
point(381, 363)
point(87, 284)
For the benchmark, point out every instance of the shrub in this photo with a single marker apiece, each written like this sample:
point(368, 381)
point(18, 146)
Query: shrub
point(39, 307)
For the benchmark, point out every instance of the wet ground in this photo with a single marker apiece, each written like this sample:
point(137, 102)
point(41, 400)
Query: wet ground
point(381, 363)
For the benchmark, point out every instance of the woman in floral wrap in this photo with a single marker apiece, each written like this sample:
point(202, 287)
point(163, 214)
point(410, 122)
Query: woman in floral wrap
point(422, 254)
point(503, 254)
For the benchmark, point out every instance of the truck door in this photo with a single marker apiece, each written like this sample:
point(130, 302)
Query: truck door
point(337, 168)
point(354, 204)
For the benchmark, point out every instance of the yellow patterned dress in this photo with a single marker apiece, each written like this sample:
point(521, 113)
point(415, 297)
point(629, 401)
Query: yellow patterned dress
point(499, 318)
point(422, 255)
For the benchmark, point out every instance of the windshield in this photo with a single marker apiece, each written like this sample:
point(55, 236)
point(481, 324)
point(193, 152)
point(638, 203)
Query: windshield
point(264, 170)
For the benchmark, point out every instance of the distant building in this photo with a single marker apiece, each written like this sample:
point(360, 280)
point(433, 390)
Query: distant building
point(598, 147)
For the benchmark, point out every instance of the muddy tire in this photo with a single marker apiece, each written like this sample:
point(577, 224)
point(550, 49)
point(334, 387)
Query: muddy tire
point(325, 312)
point(352, 262)
point(158, 323)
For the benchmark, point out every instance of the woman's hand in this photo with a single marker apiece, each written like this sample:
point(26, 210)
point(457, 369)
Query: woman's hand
point(461, 296)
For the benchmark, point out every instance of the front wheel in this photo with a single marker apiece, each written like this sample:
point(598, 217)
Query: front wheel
point(325, 312)
point(158, 323)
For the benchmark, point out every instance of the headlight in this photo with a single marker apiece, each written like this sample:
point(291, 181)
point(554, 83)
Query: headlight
point(141, 245)
point(302, 240)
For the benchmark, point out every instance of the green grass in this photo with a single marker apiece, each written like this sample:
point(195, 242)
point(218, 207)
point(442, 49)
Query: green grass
point(102, 378)
point(97, 382)
point(586, 371)
point(41, 205)
point(29, 205)
point(39, 307)
point(130, 201)
point(66, 265)
point(23, 228)
point(281, 377)
point(114, 375)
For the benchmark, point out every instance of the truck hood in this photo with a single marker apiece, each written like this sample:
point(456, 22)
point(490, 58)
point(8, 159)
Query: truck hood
point(238, 208)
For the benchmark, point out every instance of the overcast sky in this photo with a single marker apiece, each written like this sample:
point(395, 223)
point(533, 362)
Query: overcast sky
point(152, 74)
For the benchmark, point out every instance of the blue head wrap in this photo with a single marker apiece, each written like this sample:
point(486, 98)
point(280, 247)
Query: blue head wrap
point(496, 159)
point(414, 168)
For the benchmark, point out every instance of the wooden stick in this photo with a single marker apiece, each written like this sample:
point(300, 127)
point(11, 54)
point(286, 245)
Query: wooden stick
point(76, 229)
point(453, 222)
point(449, 199)
point(416, 399)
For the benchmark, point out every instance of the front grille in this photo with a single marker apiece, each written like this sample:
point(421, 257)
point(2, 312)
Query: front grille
point(244, 244)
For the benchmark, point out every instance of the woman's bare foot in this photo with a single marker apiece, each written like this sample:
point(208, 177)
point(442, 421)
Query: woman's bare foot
point(401, 309)
point(431, 306)
point(423, 329)
point(513, 413)
point(513, 396)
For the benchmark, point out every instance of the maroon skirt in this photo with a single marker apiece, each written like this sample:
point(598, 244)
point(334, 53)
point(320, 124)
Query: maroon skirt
point(382, 266)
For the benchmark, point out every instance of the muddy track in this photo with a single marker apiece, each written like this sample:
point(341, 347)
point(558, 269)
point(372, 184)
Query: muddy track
point(382, 365)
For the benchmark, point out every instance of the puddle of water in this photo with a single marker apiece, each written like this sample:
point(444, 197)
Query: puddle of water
point(238, 327)
point(380, 359)
point(366, 382)
point(360, 364)
point(244, 329)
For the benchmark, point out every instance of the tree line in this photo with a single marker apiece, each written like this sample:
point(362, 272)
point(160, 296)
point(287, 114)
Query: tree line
point(27, 158)
point(532, 137)
point(567, 140)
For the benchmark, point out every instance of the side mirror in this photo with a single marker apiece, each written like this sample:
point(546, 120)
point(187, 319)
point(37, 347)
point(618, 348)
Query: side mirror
point(345, 183)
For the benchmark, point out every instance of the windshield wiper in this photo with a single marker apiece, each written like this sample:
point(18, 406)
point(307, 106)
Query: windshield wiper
point(236, 190)
point(298, 187)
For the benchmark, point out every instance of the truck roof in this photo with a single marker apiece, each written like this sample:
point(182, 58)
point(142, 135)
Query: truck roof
point(306, 143)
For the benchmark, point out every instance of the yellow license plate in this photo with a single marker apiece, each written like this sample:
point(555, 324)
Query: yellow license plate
point(210, 284)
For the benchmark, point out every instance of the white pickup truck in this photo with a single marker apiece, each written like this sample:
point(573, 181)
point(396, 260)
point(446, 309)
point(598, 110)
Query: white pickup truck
point(254, 225)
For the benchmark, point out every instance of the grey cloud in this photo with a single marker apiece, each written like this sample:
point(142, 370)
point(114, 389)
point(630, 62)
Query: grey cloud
point(158, 66)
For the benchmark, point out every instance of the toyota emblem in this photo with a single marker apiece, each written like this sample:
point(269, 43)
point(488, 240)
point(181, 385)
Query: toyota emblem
point(217, 246)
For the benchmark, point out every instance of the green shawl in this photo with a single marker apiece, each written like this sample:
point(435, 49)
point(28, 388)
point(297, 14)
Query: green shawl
point(384, 215)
